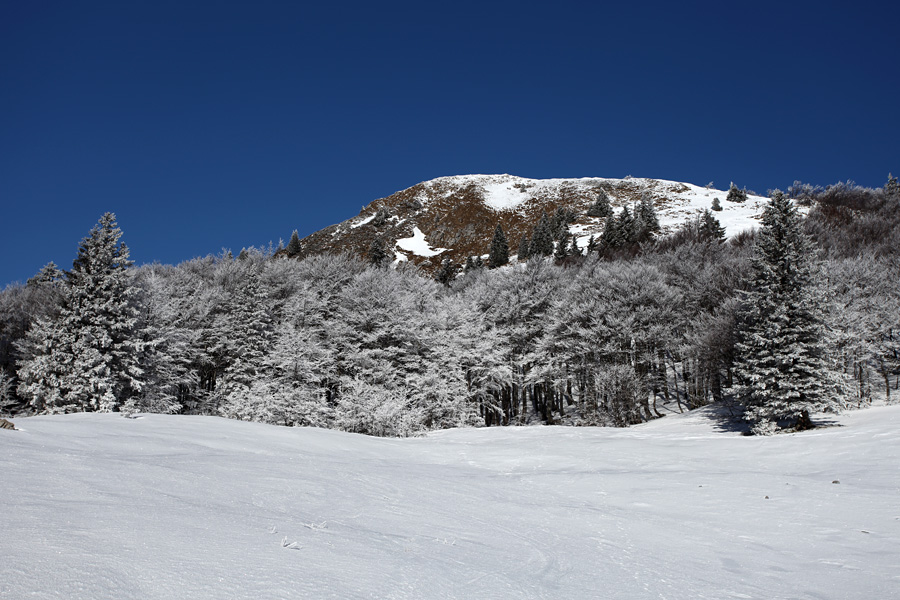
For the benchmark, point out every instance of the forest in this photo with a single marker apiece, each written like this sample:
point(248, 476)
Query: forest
point(798, 316)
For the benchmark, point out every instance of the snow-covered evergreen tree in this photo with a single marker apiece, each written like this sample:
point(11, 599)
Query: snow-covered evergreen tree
point(499, 250)
point(542, 238)
point(625, 225)
point(601, 207)
point(735, 194)
point(524, 246)
point(782, 367)
point(611, 237)
point(294, 247)
point(645, 213)
point(85, 359)
point(710, 230)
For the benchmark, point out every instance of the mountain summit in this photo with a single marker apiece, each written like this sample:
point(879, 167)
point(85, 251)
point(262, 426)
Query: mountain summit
point(455, 217)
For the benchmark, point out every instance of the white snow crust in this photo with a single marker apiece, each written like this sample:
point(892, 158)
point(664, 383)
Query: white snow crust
point(503, 196)
point(418, 245)
point(98, 506)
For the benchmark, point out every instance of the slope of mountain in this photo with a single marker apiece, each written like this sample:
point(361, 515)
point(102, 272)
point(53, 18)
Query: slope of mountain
point(454, 217)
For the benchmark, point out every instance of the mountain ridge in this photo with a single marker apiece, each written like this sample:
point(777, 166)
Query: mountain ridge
point(455, 216)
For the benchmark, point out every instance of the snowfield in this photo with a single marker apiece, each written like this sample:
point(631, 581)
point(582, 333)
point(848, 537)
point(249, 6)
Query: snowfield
point(418, 245)
point(100, 506)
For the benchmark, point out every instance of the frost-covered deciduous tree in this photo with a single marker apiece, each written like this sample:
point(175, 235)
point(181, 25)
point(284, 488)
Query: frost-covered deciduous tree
point(782, 366)
point(245, 327)
point(85, 359)
point(167, 344)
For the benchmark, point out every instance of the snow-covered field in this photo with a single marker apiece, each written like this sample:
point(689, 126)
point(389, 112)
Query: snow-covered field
point(99, 506)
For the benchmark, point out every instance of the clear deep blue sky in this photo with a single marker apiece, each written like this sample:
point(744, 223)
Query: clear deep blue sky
point(227, 124)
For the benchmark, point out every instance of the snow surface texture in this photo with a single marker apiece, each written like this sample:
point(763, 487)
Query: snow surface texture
point(99, 506)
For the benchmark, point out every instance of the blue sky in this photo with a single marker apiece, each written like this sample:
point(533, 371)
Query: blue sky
point(227, 124)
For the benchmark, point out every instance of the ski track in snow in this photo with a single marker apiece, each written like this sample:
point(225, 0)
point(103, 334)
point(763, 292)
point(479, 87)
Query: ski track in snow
point(98, 506)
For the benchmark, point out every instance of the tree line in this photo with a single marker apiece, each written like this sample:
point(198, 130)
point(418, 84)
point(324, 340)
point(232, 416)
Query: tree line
point(799, 316)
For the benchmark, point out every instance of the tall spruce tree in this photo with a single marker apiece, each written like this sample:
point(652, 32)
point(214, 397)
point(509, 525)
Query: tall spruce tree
point(611, 237)
point(782, 370)
point(294, 248)
point(645, 212)
point(84, 359)
point(498, 254)
point(524, 244)
point(625, 226)
point(710, 230)
point(542, 238)
point(601, 207)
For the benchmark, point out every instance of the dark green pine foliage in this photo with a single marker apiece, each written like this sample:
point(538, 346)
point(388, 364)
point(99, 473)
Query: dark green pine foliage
point(716, 205)
point(611, 238)
point(736, 195)
point(601, 207)
point(625, 226)
point(498, 255)
point(85, 359)
point(294, 248)
point(592, 244)
point(562, 249)
point(560, 224)
point(378, 257)
point(574, 250)
point(542, 238)
point(474, 263)
point(711, 231)
point(49, 274)
point(524, 243)
point(781, 367)
point(891, 189)
point(447, 272)
point(646, 216)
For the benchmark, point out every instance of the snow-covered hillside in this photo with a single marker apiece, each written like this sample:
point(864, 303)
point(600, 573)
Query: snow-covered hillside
point(99, 506)
point(454, 217)
point(676, 201)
